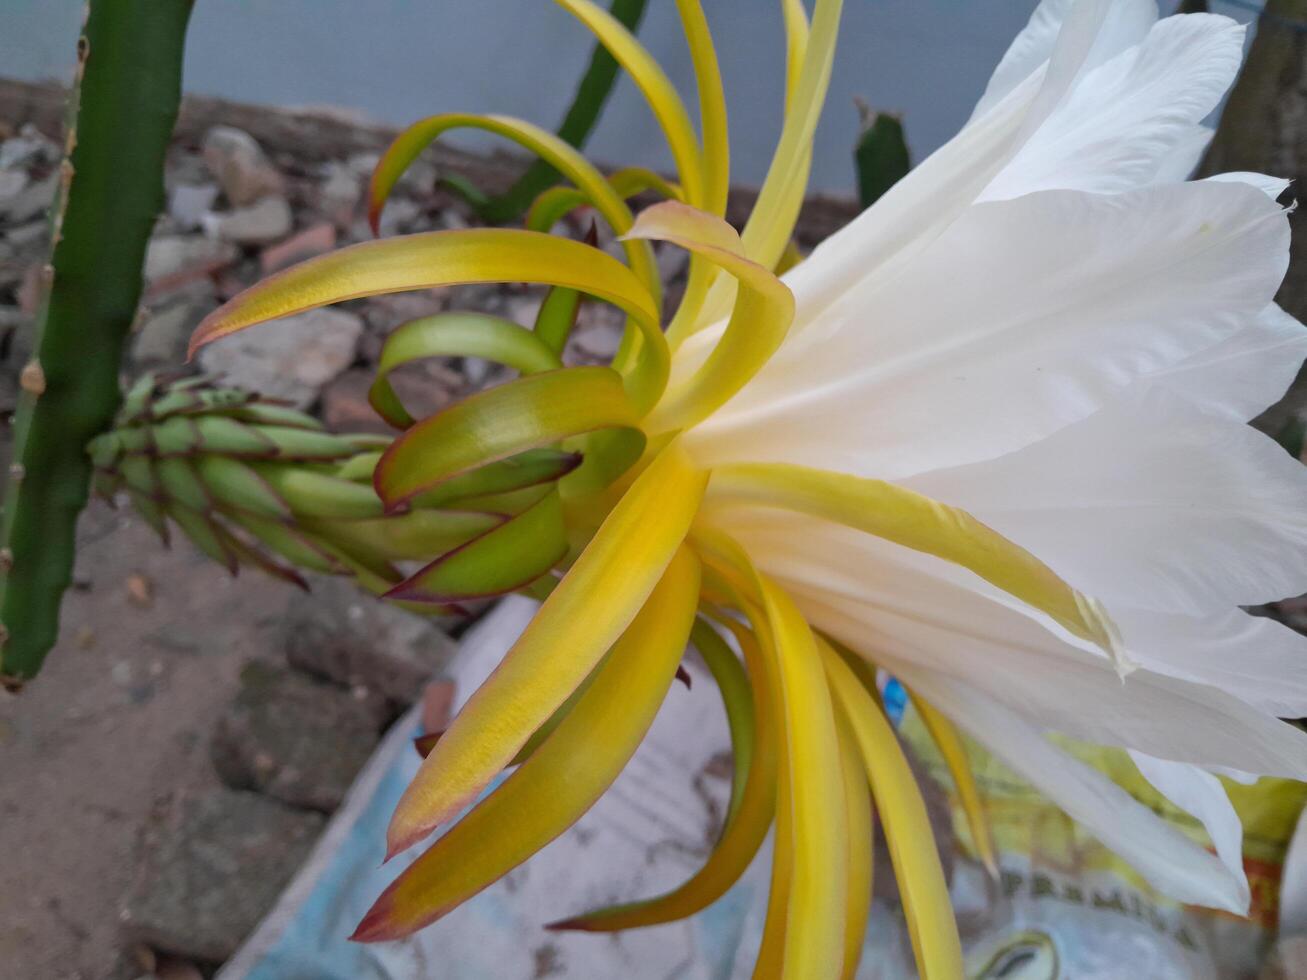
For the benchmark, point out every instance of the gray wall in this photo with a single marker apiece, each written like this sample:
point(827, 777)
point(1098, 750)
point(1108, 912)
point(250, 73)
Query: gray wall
point(402, 59)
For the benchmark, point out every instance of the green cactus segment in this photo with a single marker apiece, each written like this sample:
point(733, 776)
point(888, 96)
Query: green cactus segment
point(880, 156)
point(591, 95)
point(122, 109)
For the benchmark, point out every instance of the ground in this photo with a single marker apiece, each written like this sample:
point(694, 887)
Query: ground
point(151, 646)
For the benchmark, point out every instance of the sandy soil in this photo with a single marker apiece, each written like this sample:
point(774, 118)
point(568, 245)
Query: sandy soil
point(150, 647)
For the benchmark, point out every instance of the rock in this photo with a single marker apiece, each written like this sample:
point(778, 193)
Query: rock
point(29, 237)
point(30, 202)
point(423, 389)
point(161, 338)
point(476, 370)
point(239, 164)
point(595, 344)
point(12, 183)
point(384, 313)
point(362, 164)
point(172, 261)
point(673, 262)
point(341, 634)
point(210, 867)
point(267, 220)
point(294, 738)
point(345, 405)
point(312, 241)
point(189, 203)
point(399, 216)
point(340, 195)
point(29, 148)
point(291, 358)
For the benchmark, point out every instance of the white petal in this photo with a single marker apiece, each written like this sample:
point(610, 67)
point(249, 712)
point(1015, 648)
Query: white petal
point(1170, 861)
point(925, 202)
point(1244, 374)
point(901, 609)
point(1151, 503)
point(1125, 118)
point(1180, 164)
point(1025, 316)
point(1126, 24)
point(1065, 690)
point(1201, 795)
point(1272, 187)
point(1253, 658)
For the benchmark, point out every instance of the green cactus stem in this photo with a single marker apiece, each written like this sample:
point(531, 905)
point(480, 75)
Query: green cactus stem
point(122, 109)
point(880, 155)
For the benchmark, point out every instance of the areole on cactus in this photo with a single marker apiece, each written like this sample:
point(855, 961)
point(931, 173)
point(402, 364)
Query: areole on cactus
point(873, 460)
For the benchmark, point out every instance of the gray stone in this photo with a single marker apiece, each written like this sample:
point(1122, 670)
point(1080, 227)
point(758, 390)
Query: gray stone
point(346, 636)
point(291, 358)
point(189, 203)
point(295, 738)
point(164, 332)
point(210, 867)
point(30, 236)
point(239, 164)
point(267, 220)
point(30, 202)
point(340, 195)
point(12, 183)
point(399, 216)
point(28, 148)
point(170, 255)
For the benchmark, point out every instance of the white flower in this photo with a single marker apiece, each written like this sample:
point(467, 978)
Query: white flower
point(1045, 324)
point(992, 438)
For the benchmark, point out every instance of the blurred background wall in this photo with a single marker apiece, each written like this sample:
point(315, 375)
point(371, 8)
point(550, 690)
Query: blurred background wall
point(401, 59)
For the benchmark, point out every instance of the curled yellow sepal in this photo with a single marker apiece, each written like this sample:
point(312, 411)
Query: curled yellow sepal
point(445, 258)
point(563, 777)
point(746, 825)
point(560, 154)
point(758, 324)
point(917, 868)
point(590, 608)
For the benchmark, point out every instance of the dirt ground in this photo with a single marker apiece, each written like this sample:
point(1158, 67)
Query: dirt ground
point(150, 648)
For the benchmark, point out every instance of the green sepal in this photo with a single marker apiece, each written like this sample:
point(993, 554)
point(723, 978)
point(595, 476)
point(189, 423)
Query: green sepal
point(236, 484)
point(557, 317)
point(299, 443)
point(502, 560)
point(531, 412)
point(206, 535)
point(529, 469)
point(266, 413)
point(359, 468)
point(178, 436)
point(417, 536)
point(219, 434)
point(138, 473)
point(295, 547)
point(181, 483)
point(737, 699)
point(151, 513)
point(458, 334)
point(311, 494)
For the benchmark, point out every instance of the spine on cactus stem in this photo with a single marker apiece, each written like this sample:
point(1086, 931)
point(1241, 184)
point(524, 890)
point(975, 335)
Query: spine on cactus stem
point(122, 108)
